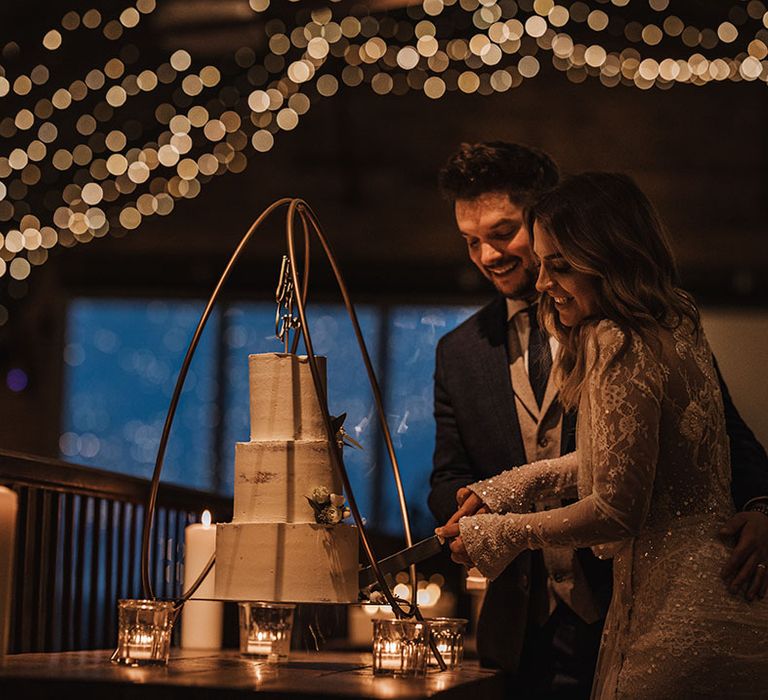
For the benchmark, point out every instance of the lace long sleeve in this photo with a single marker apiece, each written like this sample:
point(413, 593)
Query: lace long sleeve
point(515, 490)
point(624, 398)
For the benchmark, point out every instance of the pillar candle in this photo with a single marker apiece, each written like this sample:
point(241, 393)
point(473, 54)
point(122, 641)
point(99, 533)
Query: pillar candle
point(201, 620)
point(9, 503)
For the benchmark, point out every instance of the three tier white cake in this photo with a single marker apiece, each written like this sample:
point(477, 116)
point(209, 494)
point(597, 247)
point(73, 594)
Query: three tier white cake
point(274, 549)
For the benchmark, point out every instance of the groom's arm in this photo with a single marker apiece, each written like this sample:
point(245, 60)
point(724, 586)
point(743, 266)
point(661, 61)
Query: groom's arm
point(749, 488)
point(451, 467)
point(749, 462)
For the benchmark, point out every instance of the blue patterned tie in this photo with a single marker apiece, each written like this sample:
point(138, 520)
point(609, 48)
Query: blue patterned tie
point(539, 356)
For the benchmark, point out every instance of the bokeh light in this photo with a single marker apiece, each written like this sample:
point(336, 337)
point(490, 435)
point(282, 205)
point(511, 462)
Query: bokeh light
point(113, 169)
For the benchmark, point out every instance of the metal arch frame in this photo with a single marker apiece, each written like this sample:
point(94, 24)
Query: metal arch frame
point(309, 222)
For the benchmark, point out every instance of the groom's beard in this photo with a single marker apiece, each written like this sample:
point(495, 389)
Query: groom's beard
point(519, 283)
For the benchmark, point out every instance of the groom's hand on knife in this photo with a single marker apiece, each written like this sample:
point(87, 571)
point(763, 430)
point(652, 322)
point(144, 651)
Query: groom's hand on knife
point(469, 504)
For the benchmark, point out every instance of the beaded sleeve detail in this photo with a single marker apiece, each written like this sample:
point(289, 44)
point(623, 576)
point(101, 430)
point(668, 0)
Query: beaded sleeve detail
point(515, 490)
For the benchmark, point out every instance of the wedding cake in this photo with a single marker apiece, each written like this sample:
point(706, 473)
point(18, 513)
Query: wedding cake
point(275, 549)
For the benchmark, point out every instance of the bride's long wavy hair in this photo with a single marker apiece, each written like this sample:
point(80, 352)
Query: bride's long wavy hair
point(604, 226)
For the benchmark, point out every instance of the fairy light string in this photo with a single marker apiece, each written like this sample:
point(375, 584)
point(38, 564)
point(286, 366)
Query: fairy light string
point(208, 120)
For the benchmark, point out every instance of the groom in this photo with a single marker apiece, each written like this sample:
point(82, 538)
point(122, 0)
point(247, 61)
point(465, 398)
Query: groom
point(496, 408)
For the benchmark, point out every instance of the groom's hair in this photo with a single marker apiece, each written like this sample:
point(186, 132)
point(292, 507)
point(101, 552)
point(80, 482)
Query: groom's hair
point(522, 172)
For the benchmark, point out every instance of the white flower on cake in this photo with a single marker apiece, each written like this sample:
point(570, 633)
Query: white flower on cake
point(330, 515)
point(329, 508)
point(320, 495)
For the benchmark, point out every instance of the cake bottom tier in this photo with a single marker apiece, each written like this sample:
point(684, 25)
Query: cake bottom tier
point(286, 562)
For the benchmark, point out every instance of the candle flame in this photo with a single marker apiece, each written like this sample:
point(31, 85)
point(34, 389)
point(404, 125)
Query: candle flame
point(206, 518)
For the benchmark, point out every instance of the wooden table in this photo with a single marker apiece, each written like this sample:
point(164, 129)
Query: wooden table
point(86, 675)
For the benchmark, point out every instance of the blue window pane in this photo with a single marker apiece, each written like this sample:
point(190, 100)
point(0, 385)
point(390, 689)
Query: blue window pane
point(122, 358)
point(413, 333)
point(250, 329)
point(121, 363)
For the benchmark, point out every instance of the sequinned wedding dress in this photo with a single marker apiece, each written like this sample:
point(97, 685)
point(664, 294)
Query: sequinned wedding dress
point(652, 472)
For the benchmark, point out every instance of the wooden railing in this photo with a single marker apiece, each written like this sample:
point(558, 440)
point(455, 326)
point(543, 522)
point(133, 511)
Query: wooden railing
point(78, 542)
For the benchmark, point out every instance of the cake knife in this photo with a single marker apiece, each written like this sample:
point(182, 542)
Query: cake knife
point(402, 559)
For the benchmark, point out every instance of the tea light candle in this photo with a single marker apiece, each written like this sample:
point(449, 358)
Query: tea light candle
point(390, 656)
point(446, 652)
point(448, 635)
point(140, 647)
point(144, 632)
point(139, 652)
point(400, 647)
point(261, 645)
point(265, 630)
point(9, 505)
point(201, 620)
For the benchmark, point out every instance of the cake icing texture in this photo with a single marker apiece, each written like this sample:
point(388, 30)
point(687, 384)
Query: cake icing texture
point(274, 478)
point(274, 549)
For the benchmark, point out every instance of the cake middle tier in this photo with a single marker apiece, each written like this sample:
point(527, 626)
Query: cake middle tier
point(273, 479)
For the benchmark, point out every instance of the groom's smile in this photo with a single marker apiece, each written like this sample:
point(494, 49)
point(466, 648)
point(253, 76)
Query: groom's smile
point(498, 242)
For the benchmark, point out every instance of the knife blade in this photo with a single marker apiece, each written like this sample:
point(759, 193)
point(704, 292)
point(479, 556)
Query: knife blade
point(402, 559)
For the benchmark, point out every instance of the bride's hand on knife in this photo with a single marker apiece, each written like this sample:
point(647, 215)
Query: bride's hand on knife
point(459, 554)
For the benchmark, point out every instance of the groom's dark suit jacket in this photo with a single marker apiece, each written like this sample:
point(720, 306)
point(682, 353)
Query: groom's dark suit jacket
point(478, 436)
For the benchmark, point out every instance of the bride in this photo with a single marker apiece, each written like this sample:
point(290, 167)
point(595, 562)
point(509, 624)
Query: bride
point(651, 469)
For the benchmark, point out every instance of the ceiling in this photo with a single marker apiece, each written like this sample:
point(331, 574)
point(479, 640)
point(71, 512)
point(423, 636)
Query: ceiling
point(364, 157)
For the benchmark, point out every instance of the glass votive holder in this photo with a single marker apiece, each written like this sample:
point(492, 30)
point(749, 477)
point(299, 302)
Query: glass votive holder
point(144, 632)
point(265, 630)
point(400, 647)
point(448, 635)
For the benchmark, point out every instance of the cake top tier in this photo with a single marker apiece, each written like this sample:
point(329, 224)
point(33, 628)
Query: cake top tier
point(284, 404)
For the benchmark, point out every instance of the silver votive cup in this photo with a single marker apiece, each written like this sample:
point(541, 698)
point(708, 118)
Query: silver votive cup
point(144, 632)
point(400, 647)
point(448, 635)
point(265, 630)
